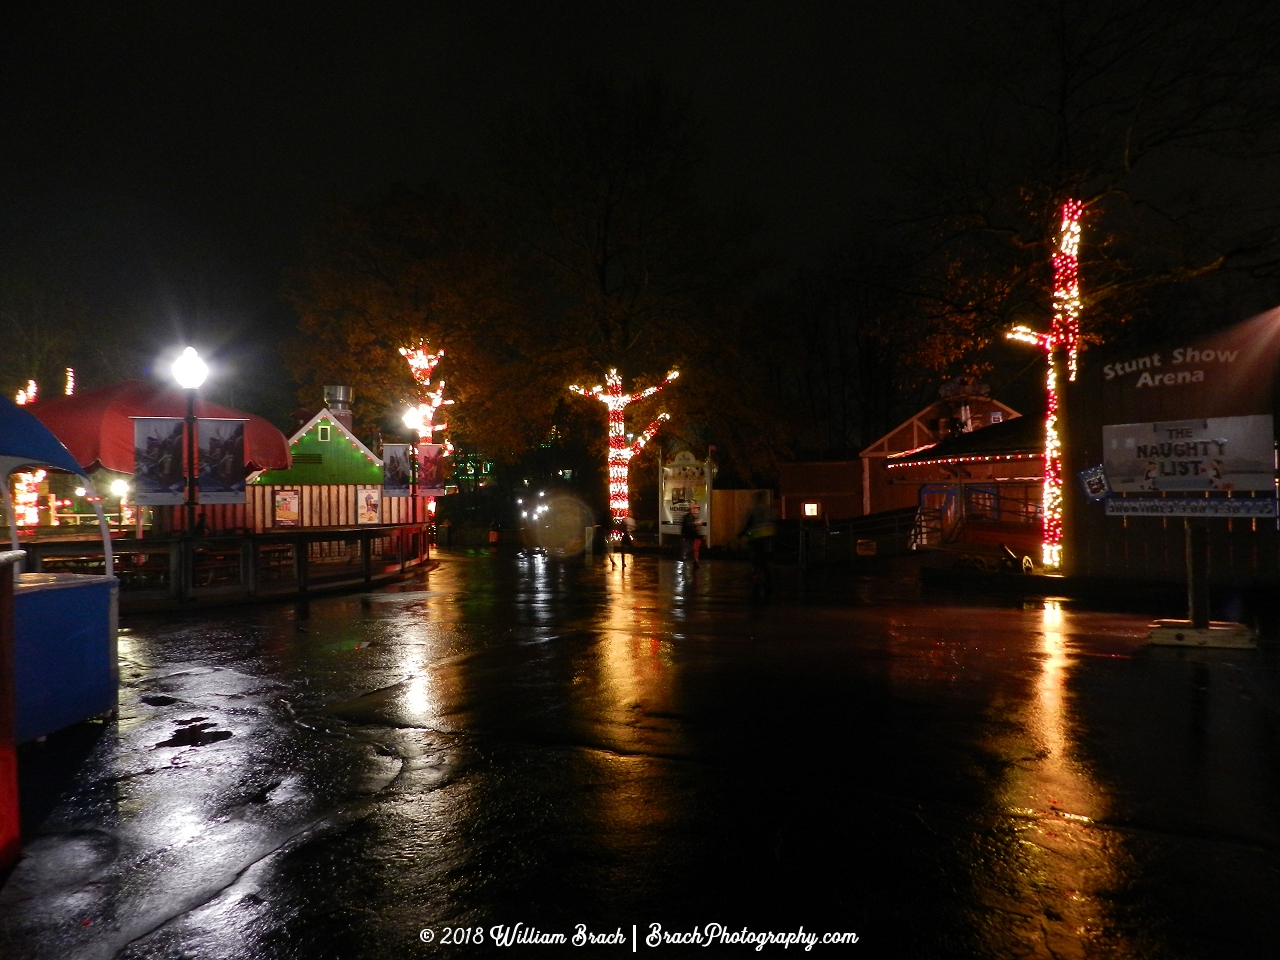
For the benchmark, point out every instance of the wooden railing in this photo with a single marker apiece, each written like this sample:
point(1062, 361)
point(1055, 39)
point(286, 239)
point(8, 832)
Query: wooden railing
point(160, 572)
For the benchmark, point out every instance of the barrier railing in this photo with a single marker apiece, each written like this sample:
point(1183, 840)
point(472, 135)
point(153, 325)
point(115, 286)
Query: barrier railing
point(250, 565)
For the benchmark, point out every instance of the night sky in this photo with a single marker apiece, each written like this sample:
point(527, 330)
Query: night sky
point(171, 156)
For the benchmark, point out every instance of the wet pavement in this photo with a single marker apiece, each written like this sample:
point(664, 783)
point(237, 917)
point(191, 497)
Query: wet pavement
point(515, 741)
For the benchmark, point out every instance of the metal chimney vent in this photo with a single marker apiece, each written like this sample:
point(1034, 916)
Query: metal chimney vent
point(337, 397)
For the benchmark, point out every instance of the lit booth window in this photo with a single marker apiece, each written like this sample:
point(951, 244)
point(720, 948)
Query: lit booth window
point(811, 509)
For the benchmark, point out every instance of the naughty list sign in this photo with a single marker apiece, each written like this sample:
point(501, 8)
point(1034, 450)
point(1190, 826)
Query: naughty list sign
point(1219, 453)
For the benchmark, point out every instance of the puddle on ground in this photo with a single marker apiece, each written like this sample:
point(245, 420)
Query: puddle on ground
point(195, 734)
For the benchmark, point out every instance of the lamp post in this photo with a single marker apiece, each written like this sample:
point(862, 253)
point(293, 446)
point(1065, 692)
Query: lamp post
point(119, 490)
point(190, 372)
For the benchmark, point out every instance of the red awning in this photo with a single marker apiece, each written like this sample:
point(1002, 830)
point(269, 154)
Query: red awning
point(95, 425)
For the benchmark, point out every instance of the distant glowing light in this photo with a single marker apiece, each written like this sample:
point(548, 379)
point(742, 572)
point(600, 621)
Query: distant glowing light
point(24, 397)
point(26, 497)
point(70, 388)
point(1027, 335)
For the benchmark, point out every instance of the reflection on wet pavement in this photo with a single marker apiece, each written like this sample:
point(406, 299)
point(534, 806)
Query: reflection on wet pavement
point(520, 740)
point(1061, 863)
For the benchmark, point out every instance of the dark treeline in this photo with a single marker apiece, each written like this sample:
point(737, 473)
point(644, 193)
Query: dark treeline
point(586, 242)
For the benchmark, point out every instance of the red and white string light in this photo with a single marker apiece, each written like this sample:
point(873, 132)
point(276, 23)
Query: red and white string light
point(422, 416)
point(1064, 335)
point(26, 396)
point(26, 498)
point(973, 458)
point(620, 453)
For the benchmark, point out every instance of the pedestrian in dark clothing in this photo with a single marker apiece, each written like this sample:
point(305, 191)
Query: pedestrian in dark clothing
point(624, 528)
point(690, 536)
point(759, 530)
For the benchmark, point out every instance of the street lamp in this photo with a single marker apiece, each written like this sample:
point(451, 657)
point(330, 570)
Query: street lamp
point(413, 420)
point(119, 490)
point(190, 372)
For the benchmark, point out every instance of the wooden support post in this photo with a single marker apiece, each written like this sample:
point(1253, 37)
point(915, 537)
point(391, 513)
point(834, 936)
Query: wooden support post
point(176, 568)
point(1197, 574)
point(249, 566)
point(300, 562)
point(366, 556)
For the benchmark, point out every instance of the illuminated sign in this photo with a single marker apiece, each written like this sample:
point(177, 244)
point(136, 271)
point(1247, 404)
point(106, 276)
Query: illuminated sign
point(1219, 453)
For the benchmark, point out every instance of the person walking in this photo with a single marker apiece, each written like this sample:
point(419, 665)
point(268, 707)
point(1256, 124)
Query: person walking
point(690, 535)
point(628, 530)
point(759, 530)
point(622, 534)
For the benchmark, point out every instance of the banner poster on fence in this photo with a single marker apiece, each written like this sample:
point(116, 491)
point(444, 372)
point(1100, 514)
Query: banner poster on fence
point(220, 452)
point(395, 470)
point(368, 504)
point(431, 469)
point(684, 483)
point(1219, 453)
point(158, 474)
point(287, 508)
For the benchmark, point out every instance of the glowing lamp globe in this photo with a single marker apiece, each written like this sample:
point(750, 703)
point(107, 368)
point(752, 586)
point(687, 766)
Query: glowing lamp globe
point(413, 419)
point(119, 488)
point(189, 370)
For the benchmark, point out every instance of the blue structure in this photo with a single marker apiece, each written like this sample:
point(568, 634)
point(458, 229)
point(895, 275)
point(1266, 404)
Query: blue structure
point(65, 666)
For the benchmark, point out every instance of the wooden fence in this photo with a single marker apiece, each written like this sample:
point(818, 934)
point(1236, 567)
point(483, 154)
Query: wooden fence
point(327, 505)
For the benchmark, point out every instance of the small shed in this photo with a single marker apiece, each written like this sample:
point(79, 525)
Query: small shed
point(949, 417)
point(984, 487)
point(334, 481)
point(834, 490)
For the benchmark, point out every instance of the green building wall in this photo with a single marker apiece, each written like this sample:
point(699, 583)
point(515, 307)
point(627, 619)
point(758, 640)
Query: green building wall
point(316, 461)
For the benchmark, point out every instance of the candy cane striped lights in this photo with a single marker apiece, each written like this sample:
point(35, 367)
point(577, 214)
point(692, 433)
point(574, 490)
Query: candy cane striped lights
point(1064, 334)
point(620, 453)
point(421, 418)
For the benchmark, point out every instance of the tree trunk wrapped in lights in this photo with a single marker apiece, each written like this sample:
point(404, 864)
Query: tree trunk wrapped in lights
point(620, 453)
point(1063, 339)
point(422, 417)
